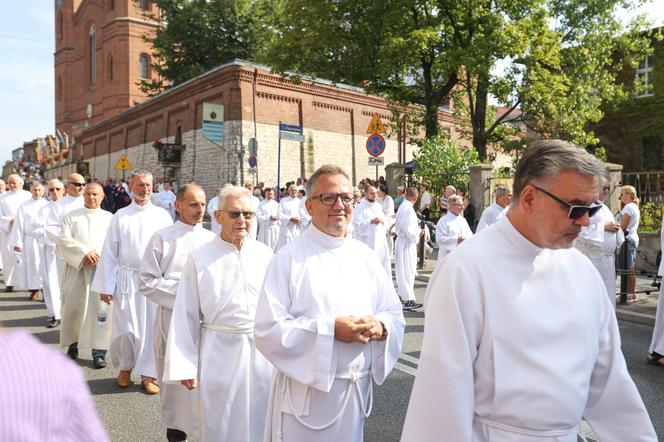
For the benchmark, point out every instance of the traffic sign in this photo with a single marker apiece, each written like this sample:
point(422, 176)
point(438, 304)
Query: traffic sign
point(290, 128)
point(253, 161)
point(253, 146)
point(123, 163)
point(376, 126)
point(290, 132)
point(376, 161)
point(376, 145)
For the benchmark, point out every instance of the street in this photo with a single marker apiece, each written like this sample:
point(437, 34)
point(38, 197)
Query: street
point(129, 415)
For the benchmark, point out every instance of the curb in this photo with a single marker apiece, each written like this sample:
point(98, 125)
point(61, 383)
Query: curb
point(639, 318)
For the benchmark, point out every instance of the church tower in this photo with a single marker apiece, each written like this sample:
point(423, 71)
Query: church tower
point(100, 58)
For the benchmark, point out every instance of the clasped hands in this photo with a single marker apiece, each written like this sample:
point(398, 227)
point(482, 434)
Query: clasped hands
point(91, 258)
point(363, 330)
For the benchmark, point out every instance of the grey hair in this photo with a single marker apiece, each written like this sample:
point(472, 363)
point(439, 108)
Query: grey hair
point(451, 189)
point(233, 192)
point(55, 181)
point(455, 199)
point(501, 190)
point(142, 173)
point(549, 158)
point(412, 192)
point(326, 169)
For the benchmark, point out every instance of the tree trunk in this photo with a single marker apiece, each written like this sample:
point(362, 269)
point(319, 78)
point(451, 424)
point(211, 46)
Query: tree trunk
point(479, 119)
point(430, 103)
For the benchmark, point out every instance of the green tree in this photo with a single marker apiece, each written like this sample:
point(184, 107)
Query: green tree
point(440, 161)
point(196, 36)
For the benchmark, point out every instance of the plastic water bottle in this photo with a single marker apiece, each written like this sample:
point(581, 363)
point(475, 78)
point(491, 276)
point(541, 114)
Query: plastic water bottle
point(103, 315)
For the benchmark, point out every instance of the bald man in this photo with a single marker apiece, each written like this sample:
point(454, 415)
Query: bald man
point(8, 209)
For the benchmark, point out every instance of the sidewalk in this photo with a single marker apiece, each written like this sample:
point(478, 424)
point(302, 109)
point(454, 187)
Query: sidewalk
point(642, 310)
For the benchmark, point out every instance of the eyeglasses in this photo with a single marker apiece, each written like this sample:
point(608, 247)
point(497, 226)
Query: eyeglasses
point(235, 214)
point(77, 184)
point(53, 189)
point(575, 211)
point(330, 199)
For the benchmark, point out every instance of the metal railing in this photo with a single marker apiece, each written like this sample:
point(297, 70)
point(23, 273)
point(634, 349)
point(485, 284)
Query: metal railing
point(650, 190)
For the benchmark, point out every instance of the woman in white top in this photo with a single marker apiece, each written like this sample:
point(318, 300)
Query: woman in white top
point(629, 218)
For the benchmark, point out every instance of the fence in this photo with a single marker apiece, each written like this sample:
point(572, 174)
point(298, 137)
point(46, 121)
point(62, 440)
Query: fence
point(650, 190)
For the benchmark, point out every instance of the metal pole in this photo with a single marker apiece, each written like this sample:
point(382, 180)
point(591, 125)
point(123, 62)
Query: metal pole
point(622, 266)
point(279, 165)
point(420, 261)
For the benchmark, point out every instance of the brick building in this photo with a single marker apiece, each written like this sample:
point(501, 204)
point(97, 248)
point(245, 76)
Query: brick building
point(100, 56)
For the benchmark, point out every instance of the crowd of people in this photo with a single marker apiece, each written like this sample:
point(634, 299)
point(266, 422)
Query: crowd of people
point(276, 323)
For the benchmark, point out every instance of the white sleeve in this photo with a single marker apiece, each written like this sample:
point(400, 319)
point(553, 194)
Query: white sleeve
point(153, 283)
point(283, 216)
point(107, 270)
point(444, 239)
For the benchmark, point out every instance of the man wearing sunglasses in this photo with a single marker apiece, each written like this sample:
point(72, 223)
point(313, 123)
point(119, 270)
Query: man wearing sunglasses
point(211, 339)
point(329, 320)
point(521, 341)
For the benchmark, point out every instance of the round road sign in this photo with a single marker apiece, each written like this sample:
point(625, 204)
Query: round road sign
point(375, 145)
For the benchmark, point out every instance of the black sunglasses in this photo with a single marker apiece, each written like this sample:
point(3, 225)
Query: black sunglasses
point(78, 184)
point(575, 211)
point(235, 215)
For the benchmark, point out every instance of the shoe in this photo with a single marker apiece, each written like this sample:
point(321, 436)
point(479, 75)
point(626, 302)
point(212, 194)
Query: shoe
point(655, 360)
point(9, 289)
point(124, 379)
point(410, 305)
point(72, 352)
point(173, 435)
point(99, 362)
point(35, 295)
point(148, 384)
point(52, 322)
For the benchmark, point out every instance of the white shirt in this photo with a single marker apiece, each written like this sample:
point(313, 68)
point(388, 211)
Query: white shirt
point(449, 229)
point(634, 213)
point(490, 215)
point(504, 354)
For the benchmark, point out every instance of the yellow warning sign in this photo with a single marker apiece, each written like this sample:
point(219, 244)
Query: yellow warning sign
point(376, 126)
point(123, 164)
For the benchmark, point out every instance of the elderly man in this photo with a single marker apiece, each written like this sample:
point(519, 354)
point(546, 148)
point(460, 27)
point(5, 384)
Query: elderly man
point(328, 321)
point(84, 316)
point(370, 226)
point(72, 200)
point(599, 241)
point(117, 280)
point(3, 188)
point(267, 216)
point(408, 231)
point(22, 239)
point(289, 215)
point(211, 340)
point(448, 191)
point(498, 209)
point(255, 202)
point(165, 258)
point(452, 228)
point(504, 357)
point(9, 204)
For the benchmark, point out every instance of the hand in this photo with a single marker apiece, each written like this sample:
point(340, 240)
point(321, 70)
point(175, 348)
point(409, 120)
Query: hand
point(377, 220)
point(461, 239)
point(295, 220)
point(375, 333)
point(106, 298)
point(422, 232)
point(612, 226)
point(17, 249)
point(346, 329)
point(274, 218)
point(91, 258)
point(189, 383)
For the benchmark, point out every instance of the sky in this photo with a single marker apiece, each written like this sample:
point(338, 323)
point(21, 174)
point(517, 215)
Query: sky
point(27, 43)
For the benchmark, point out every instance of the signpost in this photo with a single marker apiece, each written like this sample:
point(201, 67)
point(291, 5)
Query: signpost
point(123, 164)
point(291, 133)
point(376, 142)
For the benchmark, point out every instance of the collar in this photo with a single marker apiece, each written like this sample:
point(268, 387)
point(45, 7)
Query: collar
point(325, 240)
point(505, 227)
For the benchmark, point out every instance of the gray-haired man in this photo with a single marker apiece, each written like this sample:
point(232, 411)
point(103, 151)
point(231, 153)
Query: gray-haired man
point(496, 210)
point(504, 357)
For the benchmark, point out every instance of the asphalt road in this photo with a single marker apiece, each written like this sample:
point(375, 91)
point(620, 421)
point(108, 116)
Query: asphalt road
point(130, 416)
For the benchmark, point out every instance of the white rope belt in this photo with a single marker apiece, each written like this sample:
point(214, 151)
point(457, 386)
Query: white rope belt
point(249, 328)
point(525, 431)
point(353, 379)
point(124, 278)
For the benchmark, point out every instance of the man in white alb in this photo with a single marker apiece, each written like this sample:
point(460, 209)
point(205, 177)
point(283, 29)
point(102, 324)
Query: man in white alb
point(3, 188)
point(452, 228)
point(370, 226)
point(267, 217)
point(71, 201)
point(9, 204)
point(328, 321)
point(160, 272)
point(496, 210)
point(86, 321)
point(255, 202)
point(408, 231)
point(211, 339)
point(165, 199)
point(22, 239)
point(212, 207)
point(116, 280)
point(289, 216)
point(505, 356)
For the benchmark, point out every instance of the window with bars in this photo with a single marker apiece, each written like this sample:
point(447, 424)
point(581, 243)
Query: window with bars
point(644, 79)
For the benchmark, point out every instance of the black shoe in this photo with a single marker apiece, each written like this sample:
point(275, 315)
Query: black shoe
point(173, 435)
point(52, 322)
point(411, 305)
point(99, 362)
point(9, 289)
point(72, 351)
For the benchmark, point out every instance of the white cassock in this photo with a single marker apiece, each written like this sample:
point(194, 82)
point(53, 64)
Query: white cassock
point(520, 343)
point(288, 208)
point(600, 247)
point(49, 269)
point(117, 274)
point(212, 206)
point(448, 230)
point(27, 276)
point(320, 380)
point(9, 205)
point(83, 230)
point(165, 257)
point(305, 218)
point(166, 200)
point(52, 223)
point(268, 229)
point(255, 202)
point(407, 228)
point(216, 303)
point(2, 233)
point(371, 234)
point(490, 215)
point(657, 342)
point(387, 204)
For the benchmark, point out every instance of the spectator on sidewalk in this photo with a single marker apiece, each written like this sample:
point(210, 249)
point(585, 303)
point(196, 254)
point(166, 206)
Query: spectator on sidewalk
point(629, 219)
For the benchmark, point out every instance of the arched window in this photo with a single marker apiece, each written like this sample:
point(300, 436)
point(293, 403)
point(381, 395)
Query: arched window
point(93, 55)
point(110, 68)
point(143, 67)
point(58, 91)
point(61, 25)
